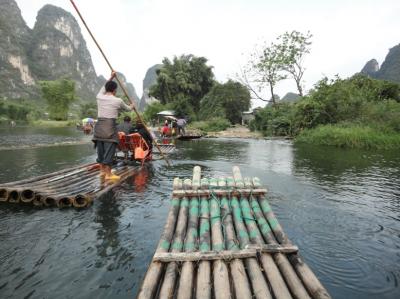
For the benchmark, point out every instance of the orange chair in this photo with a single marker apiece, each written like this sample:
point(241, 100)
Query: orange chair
point(138, 147)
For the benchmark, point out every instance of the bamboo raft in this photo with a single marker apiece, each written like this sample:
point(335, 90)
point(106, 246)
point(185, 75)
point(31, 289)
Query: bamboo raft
point(77, 186)
point(221, 240)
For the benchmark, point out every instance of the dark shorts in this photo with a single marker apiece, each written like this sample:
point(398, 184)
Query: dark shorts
point(105, 152)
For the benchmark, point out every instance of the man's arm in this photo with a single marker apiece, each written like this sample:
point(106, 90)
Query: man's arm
point(103, 88)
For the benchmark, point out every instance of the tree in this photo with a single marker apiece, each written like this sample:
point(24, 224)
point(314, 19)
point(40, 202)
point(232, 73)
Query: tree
point(187, 78)
point(293, 47)
point(88, 110)
point(264, 69)
point(228, 100)
point(59, 95)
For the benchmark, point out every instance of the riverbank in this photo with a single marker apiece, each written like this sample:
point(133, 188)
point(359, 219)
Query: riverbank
point(236, 132)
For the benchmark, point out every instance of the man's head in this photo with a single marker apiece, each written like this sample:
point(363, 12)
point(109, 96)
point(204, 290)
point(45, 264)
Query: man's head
point(127, 119)
point(111, 86)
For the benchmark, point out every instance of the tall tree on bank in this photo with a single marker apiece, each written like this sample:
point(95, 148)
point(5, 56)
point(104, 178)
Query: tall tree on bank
point(227, 100)
point(293, 47)
point(185, 79)
point(265, 69)
point(59, 95)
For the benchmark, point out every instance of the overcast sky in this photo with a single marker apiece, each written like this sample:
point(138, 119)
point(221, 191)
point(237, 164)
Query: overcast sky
point(136, 34)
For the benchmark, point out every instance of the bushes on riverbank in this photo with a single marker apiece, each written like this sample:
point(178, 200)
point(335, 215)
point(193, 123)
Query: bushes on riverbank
point(356, 112)
point(212, 125)
point(350, 136)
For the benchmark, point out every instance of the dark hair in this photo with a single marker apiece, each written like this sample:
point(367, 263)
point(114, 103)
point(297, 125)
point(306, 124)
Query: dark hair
point(127, 118)
point(111, 86)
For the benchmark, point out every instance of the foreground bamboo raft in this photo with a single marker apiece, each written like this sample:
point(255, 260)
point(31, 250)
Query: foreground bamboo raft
point(77, 186)
point(222, 240)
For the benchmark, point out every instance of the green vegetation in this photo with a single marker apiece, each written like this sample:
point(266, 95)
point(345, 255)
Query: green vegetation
point(88, 110)
point(183, 82)
point(212, 125)
point(59, 95)
point(187, 86)
point(228, 100)
point(356, 112)
point(350, 136)
point(274, 62)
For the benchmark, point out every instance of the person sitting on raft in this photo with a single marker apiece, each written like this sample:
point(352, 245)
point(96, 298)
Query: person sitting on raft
point(125, 126)
point(105, 135)
point(139, 128)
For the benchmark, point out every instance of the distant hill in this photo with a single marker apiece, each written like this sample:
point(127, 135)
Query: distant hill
point(290, 97)
point(390, 68)
point(149, 80)
point(54, 48)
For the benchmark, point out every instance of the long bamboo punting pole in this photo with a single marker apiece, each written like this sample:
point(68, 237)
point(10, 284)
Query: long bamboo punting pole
point(168, 284)
point(313, 285)
point(151, 280)
point(220, 270)
point(119, 81)
point(241, 284)
point(187, 272)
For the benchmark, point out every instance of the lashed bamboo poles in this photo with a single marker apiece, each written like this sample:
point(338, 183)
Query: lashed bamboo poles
point(313, 285)
point(153, 275)
point(220, 269)
point(277, 283)
point(241, 284)
point(281, 260)
point(187, 272)
point(116, 77)
point(78, 187)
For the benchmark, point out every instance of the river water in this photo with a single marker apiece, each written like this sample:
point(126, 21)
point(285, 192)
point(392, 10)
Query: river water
point(341, 207)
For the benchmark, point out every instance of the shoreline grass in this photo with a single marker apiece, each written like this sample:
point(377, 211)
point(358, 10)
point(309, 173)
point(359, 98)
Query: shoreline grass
point(350, 136)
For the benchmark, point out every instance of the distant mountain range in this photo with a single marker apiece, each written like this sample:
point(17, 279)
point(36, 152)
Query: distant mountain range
point(54, 48)
point(390, 68)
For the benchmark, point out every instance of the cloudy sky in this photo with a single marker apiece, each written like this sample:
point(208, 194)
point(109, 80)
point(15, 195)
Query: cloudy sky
point(136, 34)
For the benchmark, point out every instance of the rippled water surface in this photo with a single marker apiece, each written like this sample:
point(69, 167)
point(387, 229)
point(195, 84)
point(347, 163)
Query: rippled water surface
point(342, 208)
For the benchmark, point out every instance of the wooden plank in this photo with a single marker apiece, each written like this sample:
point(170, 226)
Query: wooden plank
point(219, 192)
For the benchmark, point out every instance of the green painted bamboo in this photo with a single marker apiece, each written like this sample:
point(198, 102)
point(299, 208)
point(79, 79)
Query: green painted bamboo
point(203, 288)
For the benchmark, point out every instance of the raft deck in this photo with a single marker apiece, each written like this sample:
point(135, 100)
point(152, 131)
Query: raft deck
point(77, 186)
point(222, 240)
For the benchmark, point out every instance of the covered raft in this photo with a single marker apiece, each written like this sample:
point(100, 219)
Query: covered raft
point(77, 186)
point(222, 240)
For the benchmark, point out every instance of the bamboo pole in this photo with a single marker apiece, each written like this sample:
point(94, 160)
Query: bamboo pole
point(260, 286)
point(203, 288)
point(153, 275)
point(220, 270)
point(187, 273)
point(45, 176)
point(240, 281)
point(119, 81)
point(168, 285)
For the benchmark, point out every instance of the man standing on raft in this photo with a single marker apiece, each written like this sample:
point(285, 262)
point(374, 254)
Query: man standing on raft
point(105, 134)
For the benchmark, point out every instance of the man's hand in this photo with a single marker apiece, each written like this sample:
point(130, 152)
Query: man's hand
point(132, 106)
point(113, 75)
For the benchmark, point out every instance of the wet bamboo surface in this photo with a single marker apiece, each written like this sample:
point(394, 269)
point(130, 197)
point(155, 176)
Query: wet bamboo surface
point(73, 187)
point(222, 240)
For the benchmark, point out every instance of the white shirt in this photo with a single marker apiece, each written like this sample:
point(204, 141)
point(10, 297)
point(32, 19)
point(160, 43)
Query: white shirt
point(109, 105)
